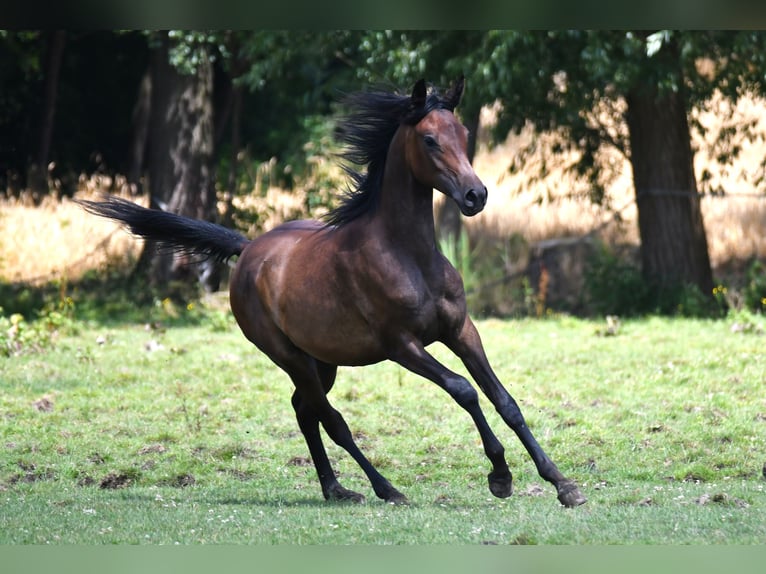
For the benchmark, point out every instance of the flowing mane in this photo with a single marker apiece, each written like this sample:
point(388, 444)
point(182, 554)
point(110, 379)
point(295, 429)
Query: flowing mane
point(366, 131)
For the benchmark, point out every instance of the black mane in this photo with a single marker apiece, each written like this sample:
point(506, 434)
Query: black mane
point(366, 131)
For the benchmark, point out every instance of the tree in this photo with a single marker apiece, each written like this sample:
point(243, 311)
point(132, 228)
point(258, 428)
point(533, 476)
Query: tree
point(37, 178)
point(674, 247)
point(62, 113)
point(179, 152)
point(646, 84)
point(20, 100)
point(200, 83)
point(30, 65)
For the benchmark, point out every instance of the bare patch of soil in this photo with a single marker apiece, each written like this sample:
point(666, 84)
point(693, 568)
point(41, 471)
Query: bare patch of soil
point(114, 481)
point(299, 461)
point(180, 481)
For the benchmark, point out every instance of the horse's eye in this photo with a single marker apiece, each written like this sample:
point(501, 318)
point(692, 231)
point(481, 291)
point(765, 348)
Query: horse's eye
point(431, 142)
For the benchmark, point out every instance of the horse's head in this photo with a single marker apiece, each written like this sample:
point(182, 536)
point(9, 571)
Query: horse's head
point(436, 151)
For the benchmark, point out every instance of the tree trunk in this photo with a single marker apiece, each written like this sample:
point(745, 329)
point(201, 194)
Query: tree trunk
point(180, 155)
point(141, 121)
point(37, 177)
point(229, 112)
point(674, 251)
point(236, 140)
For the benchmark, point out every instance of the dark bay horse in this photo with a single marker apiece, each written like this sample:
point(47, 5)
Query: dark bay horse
point(367, 285)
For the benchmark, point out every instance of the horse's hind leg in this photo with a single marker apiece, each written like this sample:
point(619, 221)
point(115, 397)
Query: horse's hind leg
point(309, 425)
point(312, 380)
point(305, 372)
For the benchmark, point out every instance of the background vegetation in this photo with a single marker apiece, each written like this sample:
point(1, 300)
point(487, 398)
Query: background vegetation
point(133, 411)
point(206, 123)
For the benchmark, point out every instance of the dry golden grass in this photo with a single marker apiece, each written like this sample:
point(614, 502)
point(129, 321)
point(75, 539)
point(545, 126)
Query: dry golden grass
point(552, 208)
point(734, 223)
point(58, 239)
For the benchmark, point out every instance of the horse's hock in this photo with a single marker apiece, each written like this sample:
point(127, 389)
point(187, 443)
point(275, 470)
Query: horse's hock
point(556, 271)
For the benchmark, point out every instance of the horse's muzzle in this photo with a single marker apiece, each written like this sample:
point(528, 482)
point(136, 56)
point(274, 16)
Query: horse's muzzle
point(473, 201)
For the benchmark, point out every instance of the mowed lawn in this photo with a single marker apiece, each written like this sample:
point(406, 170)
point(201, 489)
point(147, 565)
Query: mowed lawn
point(127, 433)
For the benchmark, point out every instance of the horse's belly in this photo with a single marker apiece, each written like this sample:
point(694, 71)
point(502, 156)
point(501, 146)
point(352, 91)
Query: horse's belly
point(334, 338)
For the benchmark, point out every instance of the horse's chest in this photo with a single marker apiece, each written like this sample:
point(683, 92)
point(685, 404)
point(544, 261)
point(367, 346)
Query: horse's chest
point(417, 302)
point(401, 294)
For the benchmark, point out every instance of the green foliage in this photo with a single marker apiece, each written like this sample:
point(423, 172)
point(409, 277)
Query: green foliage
point(685, 301)
point(574, 82)
point(615, 286)
point(19, 336)
point(458, 251)
point(188, 48)
point(755, 288)
point(484, 269)
point(553, 79)
point(316, 167)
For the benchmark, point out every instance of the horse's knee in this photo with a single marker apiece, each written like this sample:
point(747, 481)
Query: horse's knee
point(509, 409)
point(463, 392)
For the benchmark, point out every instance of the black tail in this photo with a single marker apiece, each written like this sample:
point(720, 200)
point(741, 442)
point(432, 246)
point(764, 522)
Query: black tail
point(171, 231)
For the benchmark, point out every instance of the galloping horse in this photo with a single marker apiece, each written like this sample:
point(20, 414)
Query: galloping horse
point(366, 285)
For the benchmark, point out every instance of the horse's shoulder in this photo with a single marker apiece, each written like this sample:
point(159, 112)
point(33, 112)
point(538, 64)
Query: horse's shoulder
point(453, 282)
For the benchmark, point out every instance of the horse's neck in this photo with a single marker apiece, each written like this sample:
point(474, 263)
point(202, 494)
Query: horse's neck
point(405, 212)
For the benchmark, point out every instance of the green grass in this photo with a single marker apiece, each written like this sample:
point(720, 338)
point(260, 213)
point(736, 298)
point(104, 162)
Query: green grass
point(119, 434)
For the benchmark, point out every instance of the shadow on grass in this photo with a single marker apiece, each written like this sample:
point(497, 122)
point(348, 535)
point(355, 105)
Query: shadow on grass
point(205, 495)
point(241, 496)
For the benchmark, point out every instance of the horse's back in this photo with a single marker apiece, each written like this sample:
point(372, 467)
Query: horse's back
point(265, 260)
point(298, 225)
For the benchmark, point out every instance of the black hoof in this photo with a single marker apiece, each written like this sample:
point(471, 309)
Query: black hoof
point(569, 495)
point(397, 498)
point(500, 484)
point(340, 494)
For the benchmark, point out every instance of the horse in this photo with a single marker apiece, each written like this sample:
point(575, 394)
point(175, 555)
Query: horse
point(368, 283)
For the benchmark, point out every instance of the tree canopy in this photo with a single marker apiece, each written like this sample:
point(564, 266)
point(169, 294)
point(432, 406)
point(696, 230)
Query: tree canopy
point(550, 79)
point(74, 102)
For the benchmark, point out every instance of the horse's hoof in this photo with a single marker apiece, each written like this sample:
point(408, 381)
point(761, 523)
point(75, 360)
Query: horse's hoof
point(501, 485)
point(397, 498)
point(569, 495)
point(340, 494)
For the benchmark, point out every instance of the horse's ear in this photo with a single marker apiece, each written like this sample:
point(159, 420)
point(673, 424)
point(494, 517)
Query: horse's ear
point(455, 93)
point(419, 94)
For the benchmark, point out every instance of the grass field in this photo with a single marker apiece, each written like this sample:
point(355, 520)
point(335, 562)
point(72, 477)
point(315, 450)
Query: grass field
point(123, 433)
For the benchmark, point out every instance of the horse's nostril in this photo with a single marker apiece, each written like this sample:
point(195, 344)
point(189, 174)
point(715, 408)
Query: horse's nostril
point(471, 198)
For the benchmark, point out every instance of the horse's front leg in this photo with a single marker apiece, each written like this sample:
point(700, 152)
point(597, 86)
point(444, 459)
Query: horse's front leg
point(469, 348)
